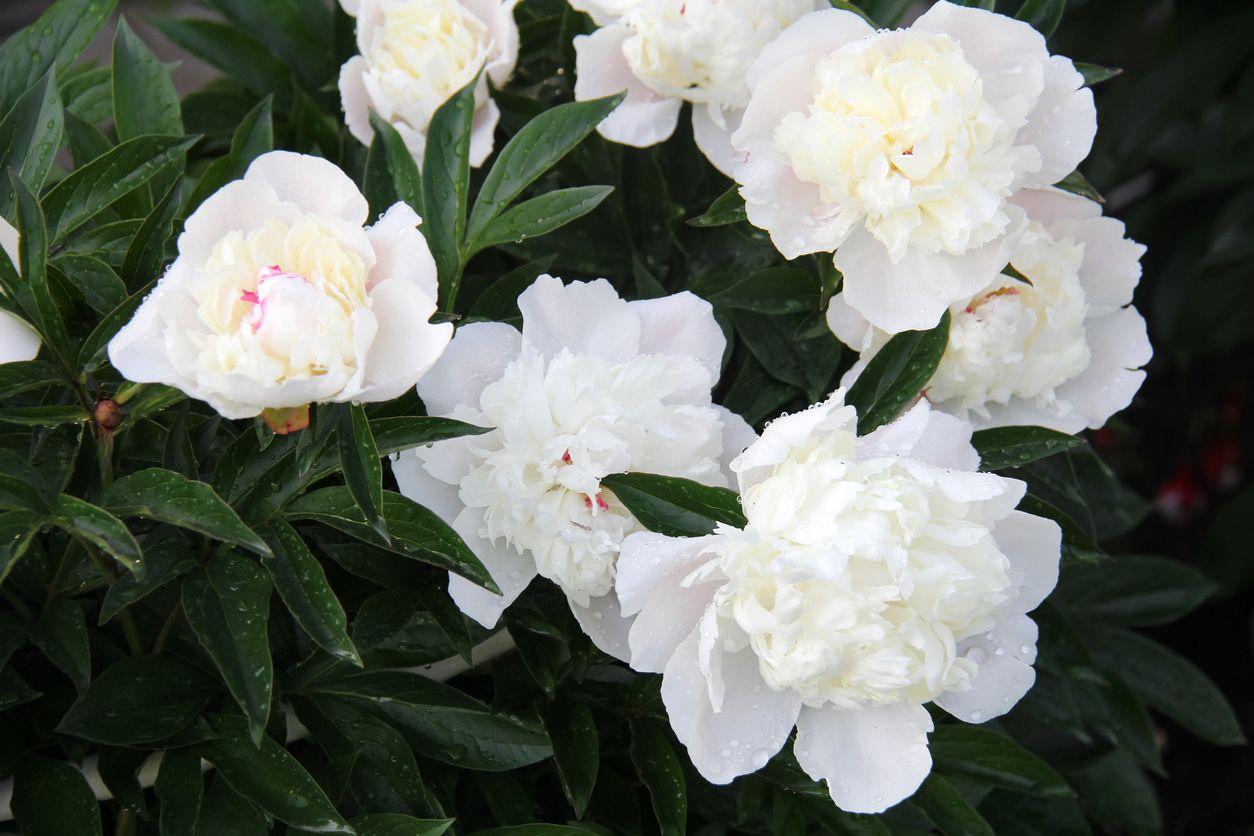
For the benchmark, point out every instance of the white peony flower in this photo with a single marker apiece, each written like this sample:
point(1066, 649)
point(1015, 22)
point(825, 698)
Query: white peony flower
point(875, 574)
point(1063, 351)
point(18, 340)
point(900, 150)
point(593, 386)
point(666, 52)
point(280, 297)
point(415, 54)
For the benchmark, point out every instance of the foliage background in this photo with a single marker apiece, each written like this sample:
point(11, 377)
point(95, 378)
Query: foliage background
point(1171, 157)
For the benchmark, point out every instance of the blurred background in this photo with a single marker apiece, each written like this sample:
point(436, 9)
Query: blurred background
point(1175, 159)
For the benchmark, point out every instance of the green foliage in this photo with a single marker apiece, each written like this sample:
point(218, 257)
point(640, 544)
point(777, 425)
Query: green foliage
point(189, 587)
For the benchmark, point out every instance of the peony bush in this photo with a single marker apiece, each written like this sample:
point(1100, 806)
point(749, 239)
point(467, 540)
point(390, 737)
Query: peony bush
point(415, 430)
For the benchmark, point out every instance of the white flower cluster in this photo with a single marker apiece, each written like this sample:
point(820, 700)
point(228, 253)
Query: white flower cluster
point(875, 574)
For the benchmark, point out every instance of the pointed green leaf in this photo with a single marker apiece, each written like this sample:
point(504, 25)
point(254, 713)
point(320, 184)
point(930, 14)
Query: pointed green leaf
point(991, 758)
point(391, 171)
point(52, 798)
point(673, 506)
point(230, 49)
point(946, 807)
point(227, 604)
point(1043, 15)
point(140, 699)
point(662, 772)
point(397, 824)
point(360, 462)
point(445, 183)
point(17, 530)
point(61, 635)
point(52, 42)
point(144, 99)
point(100, 528)
point(180, 787)
point(30, 135)
point(728, 208)
point(897, 375)
point(539, 216)
point(1004, 447)
point(576, 748)
point(302, 584)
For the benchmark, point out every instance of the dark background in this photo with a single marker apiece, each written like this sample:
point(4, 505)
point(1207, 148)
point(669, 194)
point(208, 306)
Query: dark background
point(1175, 158)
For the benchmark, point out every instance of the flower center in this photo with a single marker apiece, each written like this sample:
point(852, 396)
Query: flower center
point(855, 580)
point(561, 427)
point(425, 51)
point(1019, 340)
point(699, 50)
point(900, 136)
point(280, 303)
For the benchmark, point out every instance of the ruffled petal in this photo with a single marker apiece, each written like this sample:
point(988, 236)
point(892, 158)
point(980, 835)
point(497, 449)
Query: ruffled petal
point(405, 345)
point(355, 100)
point(511, 571)
point(1034, 546)
point(681, 324)
point(584, 317)
point(603, 622)
point(315, 185)
point(400, 250)
point(714, 139)
point(871, 758)
point(477, 356)
point(648, 561)
point(1063, 123)
point(1005, 656)
point(643, 118)
point(752, 725)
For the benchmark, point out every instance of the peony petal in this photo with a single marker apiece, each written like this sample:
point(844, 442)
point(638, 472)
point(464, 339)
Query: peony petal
point(239, 205)
point(1005, 656)
point(648, 562)
point(1049, 206)
point(1111, 269)
point(665, 619)
point(1063, 123)
point(405, 345)
point(644, 118)
point(401, 251)
point(784, 433)
point(351, 7)
point(737, 437)
point(418, 483)
point(681, 324)
point(714, 139)
point(871, 758)
point(1010, 54)
point(138, 351)
point(1034, 546)
point(511, 571)
point(603, 12)
point(820, 32)
point(498, 16)
point(9, 239)
point(315, 185)
point(913, 293)
point(752, 726)
point(946, 442)
point(18, 340)
point(477, 356)
point(603, 622)
point(355, 100)
point(584, 317)
point(849, 326)
point(1119, 346)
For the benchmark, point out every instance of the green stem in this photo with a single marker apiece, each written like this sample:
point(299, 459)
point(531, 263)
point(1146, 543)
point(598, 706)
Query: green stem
point(159, 644)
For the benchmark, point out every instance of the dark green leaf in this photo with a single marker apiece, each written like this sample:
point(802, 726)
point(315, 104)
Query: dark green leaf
point(52, 42)
point(661, 771)
point(21, 486)
point(97, 342)
point(52, 798)
point(441, 722)
point(93, 187)
point(445, 183)
point(266, 774)
point(164, 561)
point(227, 604)
point(147, 251)
point(14, 690)
point(144, 99)
point(99, 528)
point(299, 33)
point(140, 699)
point(798, 349)
point(99, 285)
point(230, 49)
point(30, 135)
point(728, 208)
point(393, 629)
point(1043, 15)
point(1077, 183)
point(119, 770)
point(303, 586)
point(16, 378)
point(166, 496)
point(17, 530)
point(576, 748)
point(536, 148)
point(777, 290)
point(415, 531)
point(397, 824)
point(391, 172)
point(896, 375)
point(540, 215)
point(945, 806)
point(1133, 590)
point(673, 506)
point(44, 416)
point(226, 811)
point(180, 787)
point(359, 460)
point(253, 137)
point(1003, 447)
point(500, 300)
point(991, 758)
point(1095, 74)
point(1170, 684)
point(61, 635)
point(37, 295)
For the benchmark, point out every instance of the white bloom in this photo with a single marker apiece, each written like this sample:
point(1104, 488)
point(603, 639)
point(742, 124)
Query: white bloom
point(875, 574)
point(899, 150)
point(280, 297)
point(666, 52)
point(415, 54)
point(18, 341)
point(1060, 352)
point(593, 386)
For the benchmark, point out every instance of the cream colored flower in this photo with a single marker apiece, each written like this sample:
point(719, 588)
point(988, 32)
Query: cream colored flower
point(876, 574)
point(415, 54)
point(1061, 350)
point(281, 297)
point(667, 52)
point(900, 150)
point(594, 385)
point(18, 340)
